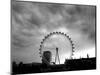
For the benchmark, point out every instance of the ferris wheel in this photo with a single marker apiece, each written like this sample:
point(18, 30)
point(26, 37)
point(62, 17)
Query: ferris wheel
point(55, 47)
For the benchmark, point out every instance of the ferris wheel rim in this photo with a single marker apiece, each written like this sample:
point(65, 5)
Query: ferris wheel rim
point(50, 34)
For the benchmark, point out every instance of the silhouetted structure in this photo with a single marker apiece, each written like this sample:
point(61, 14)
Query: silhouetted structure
point(69, 65)
point(46, 58)
point(87, 56)
point(57, 56)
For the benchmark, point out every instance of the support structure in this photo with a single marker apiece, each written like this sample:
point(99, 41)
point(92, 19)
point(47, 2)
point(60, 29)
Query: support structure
point(57, 56)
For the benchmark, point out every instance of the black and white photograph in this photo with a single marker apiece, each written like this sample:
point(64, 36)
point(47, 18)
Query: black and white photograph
point(52, 37)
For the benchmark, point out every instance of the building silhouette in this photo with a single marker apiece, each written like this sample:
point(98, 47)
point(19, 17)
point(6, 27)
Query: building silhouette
point(46, 58)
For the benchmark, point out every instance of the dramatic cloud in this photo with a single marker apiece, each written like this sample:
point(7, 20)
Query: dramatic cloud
point(32, 21)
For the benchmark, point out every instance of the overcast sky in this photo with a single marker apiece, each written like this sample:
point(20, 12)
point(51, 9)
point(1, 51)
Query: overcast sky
point(32, 21)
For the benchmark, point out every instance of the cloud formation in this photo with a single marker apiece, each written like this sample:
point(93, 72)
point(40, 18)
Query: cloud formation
point(31, 21)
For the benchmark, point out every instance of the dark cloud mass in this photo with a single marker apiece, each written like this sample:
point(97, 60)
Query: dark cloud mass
point(32, 21)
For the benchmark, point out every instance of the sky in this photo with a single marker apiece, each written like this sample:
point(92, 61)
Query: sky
point(32, 21)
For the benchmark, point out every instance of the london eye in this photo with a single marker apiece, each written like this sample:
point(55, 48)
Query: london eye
point(55, 47)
